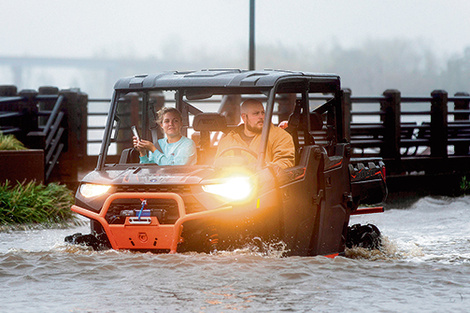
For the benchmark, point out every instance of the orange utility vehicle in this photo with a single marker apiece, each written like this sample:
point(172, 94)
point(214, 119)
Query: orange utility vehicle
point(225, 203)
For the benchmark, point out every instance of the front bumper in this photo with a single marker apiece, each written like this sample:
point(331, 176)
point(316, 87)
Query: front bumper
point(146, 233)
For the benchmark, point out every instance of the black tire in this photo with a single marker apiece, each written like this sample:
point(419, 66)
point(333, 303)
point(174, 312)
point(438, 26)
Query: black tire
point(364, 236)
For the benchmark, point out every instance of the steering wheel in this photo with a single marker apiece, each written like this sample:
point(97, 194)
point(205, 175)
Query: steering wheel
point(236, 160)
point(239, 149)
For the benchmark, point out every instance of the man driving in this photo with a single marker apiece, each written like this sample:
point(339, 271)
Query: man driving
point(280, 149)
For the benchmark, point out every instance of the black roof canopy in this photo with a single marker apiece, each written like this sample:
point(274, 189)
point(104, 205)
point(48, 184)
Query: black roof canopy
point(228, 79)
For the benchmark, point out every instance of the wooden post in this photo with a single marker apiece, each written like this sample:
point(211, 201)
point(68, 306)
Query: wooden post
point(347, 117)
point(75, 106)
point(439, 123)
point(8, 91)
point(30, 119)
point(82, 125)
point(46, 105)
point(391, 122)
point(461, 104)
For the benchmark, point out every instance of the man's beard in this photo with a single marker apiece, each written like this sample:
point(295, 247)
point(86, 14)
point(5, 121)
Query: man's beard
point(254, 129)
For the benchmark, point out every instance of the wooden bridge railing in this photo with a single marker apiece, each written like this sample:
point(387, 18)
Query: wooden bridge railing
point(50, 120)
point(411, 133)
point(428, 134)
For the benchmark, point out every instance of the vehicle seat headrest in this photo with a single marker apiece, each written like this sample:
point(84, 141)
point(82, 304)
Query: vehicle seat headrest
point(209, 122)
point(316, 122)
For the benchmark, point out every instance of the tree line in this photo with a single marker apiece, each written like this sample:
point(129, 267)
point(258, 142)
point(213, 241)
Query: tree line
point(412, 67)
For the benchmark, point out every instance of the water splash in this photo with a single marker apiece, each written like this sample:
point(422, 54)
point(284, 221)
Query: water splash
point(258, 247)
point(389, 250)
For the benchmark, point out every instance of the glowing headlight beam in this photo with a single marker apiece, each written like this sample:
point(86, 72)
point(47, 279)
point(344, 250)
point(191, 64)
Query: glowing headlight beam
point(93, 190)
point(234, 188)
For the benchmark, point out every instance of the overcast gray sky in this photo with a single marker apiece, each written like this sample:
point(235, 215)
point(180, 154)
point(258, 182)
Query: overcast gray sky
point(147, 28)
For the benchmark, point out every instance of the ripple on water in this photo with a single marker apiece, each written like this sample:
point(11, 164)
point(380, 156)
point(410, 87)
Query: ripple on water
point(423, 266)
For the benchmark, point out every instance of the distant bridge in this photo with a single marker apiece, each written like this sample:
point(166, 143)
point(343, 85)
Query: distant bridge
point(113, 68)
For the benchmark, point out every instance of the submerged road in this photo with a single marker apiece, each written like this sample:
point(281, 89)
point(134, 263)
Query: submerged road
point(425, 267)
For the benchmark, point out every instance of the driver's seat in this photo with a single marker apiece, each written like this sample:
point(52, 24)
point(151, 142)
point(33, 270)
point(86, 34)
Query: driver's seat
point(205, 123)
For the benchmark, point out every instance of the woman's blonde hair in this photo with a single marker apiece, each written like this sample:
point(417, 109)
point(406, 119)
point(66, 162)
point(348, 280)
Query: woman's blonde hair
point(166, 110)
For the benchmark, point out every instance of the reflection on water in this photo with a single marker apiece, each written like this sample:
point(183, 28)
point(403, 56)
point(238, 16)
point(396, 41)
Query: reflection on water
point(424, 266)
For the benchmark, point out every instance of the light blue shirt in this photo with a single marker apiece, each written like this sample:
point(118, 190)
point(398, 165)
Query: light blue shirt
point(182, 152)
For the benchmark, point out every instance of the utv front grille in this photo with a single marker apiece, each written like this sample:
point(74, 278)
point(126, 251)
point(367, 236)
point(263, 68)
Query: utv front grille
point(179, 189)
point(166, 210)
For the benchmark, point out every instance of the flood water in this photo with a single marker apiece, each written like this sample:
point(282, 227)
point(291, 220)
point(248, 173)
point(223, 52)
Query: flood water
point(425, 267)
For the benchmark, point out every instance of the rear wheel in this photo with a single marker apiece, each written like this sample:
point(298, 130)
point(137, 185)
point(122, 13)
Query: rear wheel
point(364, 236)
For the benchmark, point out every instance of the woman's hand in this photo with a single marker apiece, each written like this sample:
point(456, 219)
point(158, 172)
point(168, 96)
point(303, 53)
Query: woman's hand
point(143, 145)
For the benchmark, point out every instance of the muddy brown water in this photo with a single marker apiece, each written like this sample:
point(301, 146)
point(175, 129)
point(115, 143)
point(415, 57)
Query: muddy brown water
point(424, 267)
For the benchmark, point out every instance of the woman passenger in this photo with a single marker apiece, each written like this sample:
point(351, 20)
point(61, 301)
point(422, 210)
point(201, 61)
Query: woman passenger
point(177, 149)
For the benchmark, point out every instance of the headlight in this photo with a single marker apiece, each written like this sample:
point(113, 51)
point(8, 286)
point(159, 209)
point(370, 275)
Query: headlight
point(93, 190)
point(233, 188)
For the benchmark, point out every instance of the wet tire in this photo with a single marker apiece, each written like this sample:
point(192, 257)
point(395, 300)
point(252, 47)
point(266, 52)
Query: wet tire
point(89, 240)
point(364, 236)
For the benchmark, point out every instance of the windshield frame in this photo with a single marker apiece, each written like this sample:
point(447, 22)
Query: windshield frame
point(185, 95)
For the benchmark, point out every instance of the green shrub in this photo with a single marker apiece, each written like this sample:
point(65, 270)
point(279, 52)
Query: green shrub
point(32, 203)
point(9, 142)
point(465, 185)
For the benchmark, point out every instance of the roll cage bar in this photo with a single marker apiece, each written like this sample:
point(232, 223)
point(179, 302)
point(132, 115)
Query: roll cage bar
point(288, 83)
